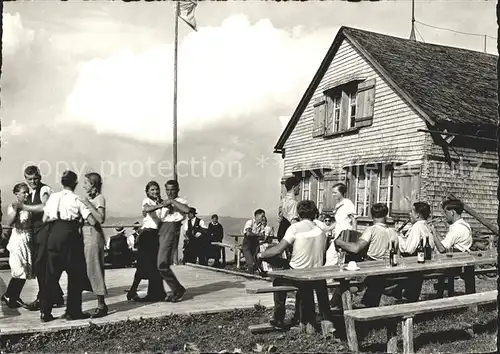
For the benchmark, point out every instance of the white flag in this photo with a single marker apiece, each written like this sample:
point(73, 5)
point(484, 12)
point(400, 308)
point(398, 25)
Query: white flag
point(186, 12)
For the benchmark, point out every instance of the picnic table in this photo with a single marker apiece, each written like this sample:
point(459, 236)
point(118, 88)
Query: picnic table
point(407, 265)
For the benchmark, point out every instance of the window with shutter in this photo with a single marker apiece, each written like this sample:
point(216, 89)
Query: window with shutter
point(319, 117)
point(371, 184)
point(405, 190)
point(365, 102)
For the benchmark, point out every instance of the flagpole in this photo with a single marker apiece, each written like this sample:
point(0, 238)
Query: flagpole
point(175, 87)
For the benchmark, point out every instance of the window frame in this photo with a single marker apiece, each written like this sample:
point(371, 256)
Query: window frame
point(373, 172)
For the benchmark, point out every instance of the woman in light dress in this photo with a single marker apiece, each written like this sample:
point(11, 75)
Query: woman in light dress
point(94, 240)
point(19, 248)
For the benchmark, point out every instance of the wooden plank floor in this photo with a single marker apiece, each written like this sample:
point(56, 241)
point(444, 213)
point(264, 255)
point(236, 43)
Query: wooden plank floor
point(207, 292)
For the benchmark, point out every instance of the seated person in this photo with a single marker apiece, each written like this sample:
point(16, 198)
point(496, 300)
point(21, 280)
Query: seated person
point(253, 232)
point(411, 287)
point(459, 236)
point(309, 242)
point(119, 253)
point(374, 243)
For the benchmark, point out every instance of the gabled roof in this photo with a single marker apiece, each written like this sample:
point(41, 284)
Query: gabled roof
point(443, 84)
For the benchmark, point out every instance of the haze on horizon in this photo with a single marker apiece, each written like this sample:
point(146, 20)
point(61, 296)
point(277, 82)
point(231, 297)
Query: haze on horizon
point(88, 86)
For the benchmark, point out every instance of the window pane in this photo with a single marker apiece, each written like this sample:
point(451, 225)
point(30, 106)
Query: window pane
point(383, 195)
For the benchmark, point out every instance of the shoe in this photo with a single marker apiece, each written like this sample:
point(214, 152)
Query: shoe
point(17, 303)
point(46, 317)
point(5, 300)
point(178, 296)
point(132, 296)
point(34, 306)
point(100, 312)
point(73, 317)
point(278, 324)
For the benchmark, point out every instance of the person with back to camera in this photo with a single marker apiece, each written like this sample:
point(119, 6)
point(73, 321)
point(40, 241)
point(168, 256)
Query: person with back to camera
point(65, 251)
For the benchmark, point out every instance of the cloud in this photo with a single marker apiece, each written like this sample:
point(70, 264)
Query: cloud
point(236, 71)
point(15, 36)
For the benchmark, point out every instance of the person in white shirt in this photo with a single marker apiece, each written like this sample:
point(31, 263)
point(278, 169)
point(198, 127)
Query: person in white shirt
point(345, 219)
point(173, 214)
point(39, 194)
point(287, 212)
point(63, 211)
point(147, 248)
point(309, 242)
point(459, 236)
point(253, 231)
point(411, 287)
point(196, 242)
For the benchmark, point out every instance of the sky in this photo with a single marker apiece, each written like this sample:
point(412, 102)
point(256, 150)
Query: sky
point(89, 86)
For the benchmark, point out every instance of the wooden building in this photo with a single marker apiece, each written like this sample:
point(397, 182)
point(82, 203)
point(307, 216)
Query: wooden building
point(397, 121)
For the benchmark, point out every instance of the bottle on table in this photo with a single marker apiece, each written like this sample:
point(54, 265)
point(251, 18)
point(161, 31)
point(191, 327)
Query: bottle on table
point(427, 250)
point(393, 255)
point(420, 252)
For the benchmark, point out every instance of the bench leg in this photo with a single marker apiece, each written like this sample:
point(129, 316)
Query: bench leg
point(223, 250)
point(407, 329)
point(392, 337)
point(238, 257)
point(350, 325)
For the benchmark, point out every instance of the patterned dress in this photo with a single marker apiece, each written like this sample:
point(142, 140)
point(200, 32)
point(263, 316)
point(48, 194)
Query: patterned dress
point(19, 246)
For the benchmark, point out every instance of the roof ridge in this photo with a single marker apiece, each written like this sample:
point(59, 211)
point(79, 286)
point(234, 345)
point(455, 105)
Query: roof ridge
point(349, 29)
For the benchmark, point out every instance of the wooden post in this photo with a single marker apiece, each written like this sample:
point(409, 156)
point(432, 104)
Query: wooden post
point(476, 216)
point(470, 283)
point(350, 325)
point(407, 329)
point(392, 336)
point(176, 45)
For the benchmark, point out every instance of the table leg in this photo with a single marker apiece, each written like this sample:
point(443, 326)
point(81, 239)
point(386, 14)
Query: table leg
point(236, 251)
point(470, 283)
point(350, 328)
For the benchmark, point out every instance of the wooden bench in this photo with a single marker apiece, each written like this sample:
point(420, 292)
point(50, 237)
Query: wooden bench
point(404, 313)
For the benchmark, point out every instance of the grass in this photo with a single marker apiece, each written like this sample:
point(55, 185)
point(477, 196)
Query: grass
point(451, 333)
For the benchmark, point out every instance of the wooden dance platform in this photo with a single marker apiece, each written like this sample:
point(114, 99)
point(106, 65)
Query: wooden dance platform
point(208, 291)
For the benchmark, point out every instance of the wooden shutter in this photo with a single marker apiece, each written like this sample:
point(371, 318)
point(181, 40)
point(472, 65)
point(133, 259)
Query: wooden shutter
point(405, 191)
point(344, 111)
point(319, 117)
point(327, 195)
point(313, 192)
point(329, 115)
point(365, 103)
point(351, 184)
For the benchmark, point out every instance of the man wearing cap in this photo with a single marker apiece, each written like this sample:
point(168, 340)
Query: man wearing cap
point(195, 235)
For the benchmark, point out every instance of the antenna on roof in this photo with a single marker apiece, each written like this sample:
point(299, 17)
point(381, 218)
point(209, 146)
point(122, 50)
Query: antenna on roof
point(412, 33)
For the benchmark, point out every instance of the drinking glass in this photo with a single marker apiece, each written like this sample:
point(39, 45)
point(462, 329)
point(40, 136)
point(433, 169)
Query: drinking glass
point(341, 261)
point(449, 252)
point(387, 261)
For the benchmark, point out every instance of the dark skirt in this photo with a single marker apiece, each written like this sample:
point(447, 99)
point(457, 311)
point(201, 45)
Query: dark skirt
point(147, 253)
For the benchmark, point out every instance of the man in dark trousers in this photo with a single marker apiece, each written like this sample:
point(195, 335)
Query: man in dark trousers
point(197, 240)
point(216, 234)
point(39, 194)
point(172, 215)
point(63, 212)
